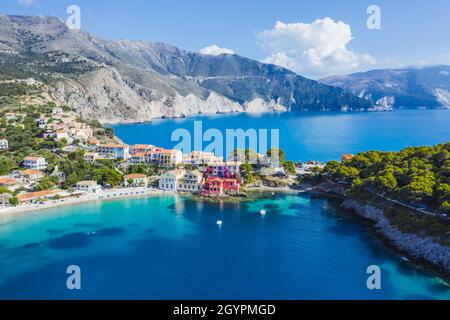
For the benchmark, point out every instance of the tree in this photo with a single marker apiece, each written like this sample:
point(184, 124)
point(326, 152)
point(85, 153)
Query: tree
point(290, 167)
point(14, 201)
point(45, 184)
point(275, 151)
point(246, 171)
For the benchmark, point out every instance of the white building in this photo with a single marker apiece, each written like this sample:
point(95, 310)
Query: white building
point(141, 148)
point(114, 151)
point(135, 180)
point(170, 158)
point(4, 200)
point(88, 186)
point(169, 180)
point(191, 182)
point(3, 145)
point(57, 111)
point(91, 157)
point(35, 163)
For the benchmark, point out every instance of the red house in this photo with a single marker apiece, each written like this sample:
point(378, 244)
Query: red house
point(213, 186)
point(231, 185)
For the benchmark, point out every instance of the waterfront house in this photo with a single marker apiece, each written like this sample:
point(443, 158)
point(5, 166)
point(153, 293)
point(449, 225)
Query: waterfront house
point(191, 182)
point(114, 151)
point(231, 186)
point(169, 180)
point(213, 186)
point(88, 186)
point(31, 175)
point(4, 200)
point(4, 145)
point(8, 182)
point(35, 163)
point(38, 196)
point(135, 180)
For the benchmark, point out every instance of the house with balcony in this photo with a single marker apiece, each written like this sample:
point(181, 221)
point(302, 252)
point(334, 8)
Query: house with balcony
point(141, 148)
point(191, 182)
point(31, 175)
point(231, 186)
point(213, 187)
point(137, 158)
point(35, 163)
point(169, 158)
point(114, 151)
point(169, 180)
point(88, 186)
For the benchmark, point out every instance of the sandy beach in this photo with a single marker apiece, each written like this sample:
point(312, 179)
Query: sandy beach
point(103, 195)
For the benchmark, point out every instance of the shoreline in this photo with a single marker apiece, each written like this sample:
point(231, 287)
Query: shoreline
point(106, 195)
point(422, 252)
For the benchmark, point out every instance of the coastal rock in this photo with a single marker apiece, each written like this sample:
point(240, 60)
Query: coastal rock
point(420, 248)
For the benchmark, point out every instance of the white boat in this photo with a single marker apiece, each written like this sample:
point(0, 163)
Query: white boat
point(219, 223)
point(263, 212)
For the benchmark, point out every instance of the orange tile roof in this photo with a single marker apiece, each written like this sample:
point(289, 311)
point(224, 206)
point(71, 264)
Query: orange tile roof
point(142, 146)
point(37, 194)
point(135, 176)
point(30, 172)
point(33, 158)
point(7, 181)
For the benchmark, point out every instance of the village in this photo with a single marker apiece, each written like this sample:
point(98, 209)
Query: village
point(137, 169)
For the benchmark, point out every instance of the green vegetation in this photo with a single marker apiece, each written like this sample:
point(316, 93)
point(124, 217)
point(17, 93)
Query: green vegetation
point(246, 172)
point(419, 176)
point(423, 225)
point(290, 167)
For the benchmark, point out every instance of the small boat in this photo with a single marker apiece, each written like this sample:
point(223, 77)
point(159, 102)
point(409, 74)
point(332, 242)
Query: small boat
point(405, 259)
point(219, 223)
point(263, 212)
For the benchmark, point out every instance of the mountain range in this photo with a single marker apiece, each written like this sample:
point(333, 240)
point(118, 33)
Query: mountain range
point(135, 81)
point(409, 88)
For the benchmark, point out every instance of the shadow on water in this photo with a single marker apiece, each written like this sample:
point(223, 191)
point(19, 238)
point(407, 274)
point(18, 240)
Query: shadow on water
point(70, 241)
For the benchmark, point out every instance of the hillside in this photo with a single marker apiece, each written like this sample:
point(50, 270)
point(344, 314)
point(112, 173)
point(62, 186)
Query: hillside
point(130, 81)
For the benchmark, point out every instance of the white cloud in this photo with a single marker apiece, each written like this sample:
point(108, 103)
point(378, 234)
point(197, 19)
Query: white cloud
point(215, 50)
point(27, 2)
point(315, 50)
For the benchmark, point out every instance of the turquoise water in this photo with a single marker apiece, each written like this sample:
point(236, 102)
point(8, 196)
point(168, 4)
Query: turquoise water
point(171, 248)
point(314, 136)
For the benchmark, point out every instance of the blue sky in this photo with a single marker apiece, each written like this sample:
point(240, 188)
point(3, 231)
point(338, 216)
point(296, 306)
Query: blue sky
point(411, 33)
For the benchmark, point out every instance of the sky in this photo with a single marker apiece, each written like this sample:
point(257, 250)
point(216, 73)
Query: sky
point(315, 38)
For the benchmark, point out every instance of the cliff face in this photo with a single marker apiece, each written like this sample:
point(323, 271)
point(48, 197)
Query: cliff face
point(417, 247)
point(132, 81)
